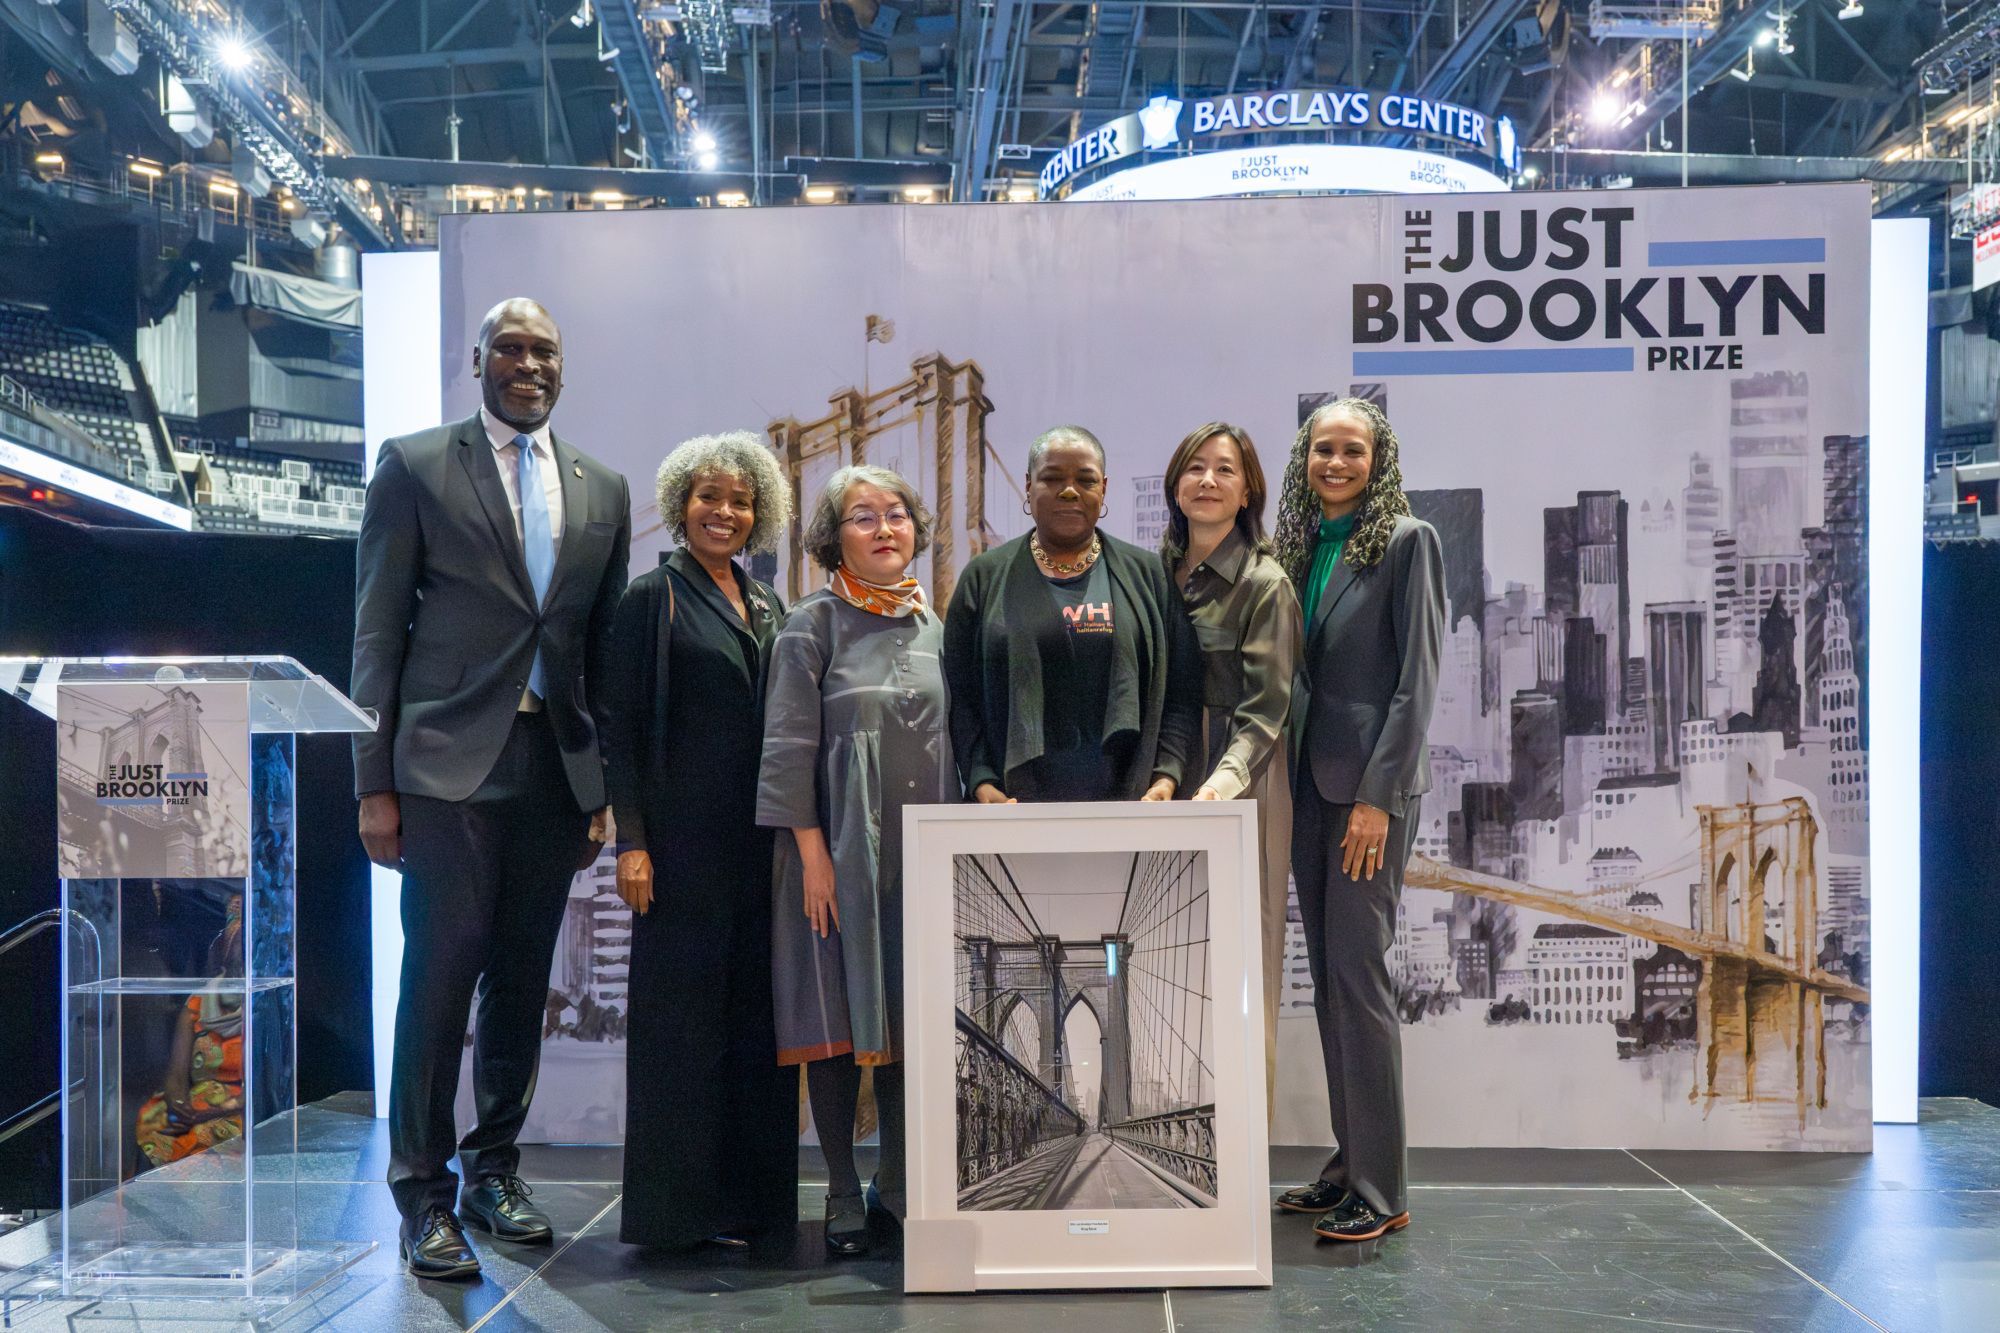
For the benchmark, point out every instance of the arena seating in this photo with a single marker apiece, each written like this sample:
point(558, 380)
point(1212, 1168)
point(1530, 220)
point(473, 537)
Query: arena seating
point(79, 375)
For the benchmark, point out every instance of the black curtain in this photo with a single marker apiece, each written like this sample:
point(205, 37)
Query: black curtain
point(73, 591)
point(1959, 1052)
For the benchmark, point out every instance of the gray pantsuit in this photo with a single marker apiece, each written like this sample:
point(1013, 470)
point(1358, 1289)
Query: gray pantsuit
point(1370, 680)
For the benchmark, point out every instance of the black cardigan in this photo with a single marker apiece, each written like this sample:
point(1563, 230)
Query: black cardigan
point(685, 735)
point(999, 612)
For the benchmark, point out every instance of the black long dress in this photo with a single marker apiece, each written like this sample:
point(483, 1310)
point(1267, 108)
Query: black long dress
point(711, 1118)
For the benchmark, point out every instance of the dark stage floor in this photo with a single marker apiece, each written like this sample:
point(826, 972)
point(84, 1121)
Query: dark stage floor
point(1550, 1241)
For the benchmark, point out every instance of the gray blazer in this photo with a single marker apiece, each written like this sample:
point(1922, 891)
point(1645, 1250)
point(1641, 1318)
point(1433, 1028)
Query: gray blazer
point(1370, 673)
point(445, 621)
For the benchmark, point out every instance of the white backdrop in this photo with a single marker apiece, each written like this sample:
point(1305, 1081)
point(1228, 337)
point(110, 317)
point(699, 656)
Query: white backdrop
point(1141, 320)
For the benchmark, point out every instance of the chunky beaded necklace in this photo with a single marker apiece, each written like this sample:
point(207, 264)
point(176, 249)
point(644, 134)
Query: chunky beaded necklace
point(1065, 569)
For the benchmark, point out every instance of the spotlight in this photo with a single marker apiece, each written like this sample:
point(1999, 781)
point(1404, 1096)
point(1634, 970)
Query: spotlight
point(234, 53)
point(581, 19)
point(1766, 37)
point(1605, 108)
point(1850, 10)
point(704, 142)
point(706, 161)
point(1529, 173)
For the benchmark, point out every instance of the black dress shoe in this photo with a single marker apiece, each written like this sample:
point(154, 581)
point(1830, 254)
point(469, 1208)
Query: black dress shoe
point(1317, 1197)
point(1353, 1219)
point(434, 1246)
point(499, 1206)
point(846, 1226)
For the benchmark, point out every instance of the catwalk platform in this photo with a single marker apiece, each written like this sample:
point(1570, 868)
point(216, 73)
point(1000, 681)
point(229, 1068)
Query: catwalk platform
point(1501, 1240)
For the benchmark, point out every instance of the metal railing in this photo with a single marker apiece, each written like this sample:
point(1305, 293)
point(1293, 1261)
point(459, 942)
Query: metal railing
point(1005, 1113)
point(1181, 1143)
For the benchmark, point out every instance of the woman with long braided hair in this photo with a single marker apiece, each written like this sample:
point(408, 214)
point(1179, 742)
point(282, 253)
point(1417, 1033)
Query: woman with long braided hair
point(1371, 580)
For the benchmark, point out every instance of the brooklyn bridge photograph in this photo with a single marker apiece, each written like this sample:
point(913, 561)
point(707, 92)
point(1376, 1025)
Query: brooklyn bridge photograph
point(1085, 1062)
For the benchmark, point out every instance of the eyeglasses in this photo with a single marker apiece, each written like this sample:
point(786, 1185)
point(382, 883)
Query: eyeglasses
point(868, 520)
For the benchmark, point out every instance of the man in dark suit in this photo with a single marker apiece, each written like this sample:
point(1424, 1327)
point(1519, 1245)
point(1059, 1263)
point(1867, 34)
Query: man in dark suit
point(492, 557)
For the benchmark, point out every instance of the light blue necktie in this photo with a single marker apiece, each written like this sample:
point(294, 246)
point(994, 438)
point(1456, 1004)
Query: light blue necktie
point(538, 544)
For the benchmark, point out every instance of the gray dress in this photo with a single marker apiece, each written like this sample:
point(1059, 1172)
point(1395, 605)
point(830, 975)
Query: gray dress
point(855, 728)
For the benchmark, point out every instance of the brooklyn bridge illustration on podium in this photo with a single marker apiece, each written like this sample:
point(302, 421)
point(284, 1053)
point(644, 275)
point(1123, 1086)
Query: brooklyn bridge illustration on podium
point(1085, 1068)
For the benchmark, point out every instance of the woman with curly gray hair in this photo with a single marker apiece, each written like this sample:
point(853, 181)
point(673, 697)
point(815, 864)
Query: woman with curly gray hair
point(855, 728)
point(711, 1150)
point(1370, 577)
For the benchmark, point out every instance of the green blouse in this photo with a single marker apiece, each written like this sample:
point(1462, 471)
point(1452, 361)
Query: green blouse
point(1333, 533)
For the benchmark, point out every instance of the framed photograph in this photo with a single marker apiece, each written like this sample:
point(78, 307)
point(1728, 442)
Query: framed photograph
point(1084, 1018)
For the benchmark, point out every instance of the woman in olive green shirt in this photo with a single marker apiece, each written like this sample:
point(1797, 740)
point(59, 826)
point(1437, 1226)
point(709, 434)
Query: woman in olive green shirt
point(1247, 618)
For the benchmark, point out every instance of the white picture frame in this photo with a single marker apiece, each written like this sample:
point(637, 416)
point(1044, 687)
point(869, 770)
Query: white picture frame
point(1226, 1242)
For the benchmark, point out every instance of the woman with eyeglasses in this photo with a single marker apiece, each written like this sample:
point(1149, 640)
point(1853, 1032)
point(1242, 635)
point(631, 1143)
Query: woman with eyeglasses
point(1075, 675)
point(856, 727)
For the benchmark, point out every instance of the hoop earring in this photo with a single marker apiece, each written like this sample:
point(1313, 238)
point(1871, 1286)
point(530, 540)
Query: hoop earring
point(1026, 510)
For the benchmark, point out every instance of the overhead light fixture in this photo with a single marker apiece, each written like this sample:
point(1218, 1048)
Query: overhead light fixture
point(581, 19)
point(1957, 116)
point(520, 190)
point(361, 185)
point(144, 169)
point(706, 162)
point(222, 187)
point(478, 192)
point(732, 199)
point(49, 159)
point(1620, 78)
point(1850, 10)
point(1766, 37)
point(820, 194)
point(917, 194)
point(704, 142)
point(1605, 108)
point(234, 53)
point(1529, 173)
point(606, 197)
point(1021, 194)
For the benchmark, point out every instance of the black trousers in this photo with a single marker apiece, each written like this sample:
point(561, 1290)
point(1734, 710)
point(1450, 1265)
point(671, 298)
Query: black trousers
point(1349, 926)
point(485, 884)
point(711, 1117)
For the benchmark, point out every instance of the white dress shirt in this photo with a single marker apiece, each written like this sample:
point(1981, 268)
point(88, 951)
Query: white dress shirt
point(502, 435)
point(506, 459)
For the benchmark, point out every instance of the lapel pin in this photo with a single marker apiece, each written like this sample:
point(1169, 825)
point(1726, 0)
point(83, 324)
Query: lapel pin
point(579, 469)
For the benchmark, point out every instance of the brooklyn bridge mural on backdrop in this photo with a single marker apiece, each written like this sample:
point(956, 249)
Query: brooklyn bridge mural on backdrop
point(1647, 834)
point(1085, 1065)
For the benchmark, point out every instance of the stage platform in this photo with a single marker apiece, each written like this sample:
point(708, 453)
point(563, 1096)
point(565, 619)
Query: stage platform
point(1501, 1240)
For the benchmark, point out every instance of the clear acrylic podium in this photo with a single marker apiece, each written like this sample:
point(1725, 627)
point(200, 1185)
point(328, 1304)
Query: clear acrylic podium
point(176, 837)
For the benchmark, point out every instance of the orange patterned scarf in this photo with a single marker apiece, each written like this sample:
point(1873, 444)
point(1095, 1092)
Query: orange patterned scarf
point(896, 600)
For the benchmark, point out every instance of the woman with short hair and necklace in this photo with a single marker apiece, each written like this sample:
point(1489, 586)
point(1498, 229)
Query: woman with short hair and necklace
point(1074, 673)
point(1371, 578)
point(855, 729)
point(1247, 619)
point(711, 1123)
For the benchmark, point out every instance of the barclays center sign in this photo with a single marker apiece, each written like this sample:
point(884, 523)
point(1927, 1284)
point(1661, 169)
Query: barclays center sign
point(1163, 122)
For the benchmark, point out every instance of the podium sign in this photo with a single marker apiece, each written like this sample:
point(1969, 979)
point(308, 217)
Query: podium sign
point(176, 841)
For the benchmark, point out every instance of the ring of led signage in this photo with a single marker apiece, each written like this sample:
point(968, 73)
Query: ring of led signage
point(1289, 169)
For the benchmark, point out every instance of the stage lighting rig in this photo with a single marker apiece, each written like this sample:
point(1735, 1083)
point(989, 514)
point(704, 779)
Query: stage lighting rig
point(257, 101)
